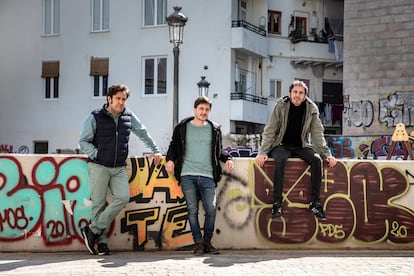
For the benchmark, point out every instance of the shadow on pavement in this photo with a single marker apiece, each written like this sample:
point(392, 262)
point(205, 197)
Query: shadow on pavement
point(227, 258)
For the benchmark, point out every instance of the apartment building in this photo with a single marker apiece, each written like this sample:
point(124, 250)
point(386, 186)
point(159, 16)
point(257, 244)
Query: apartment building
point(59, 56)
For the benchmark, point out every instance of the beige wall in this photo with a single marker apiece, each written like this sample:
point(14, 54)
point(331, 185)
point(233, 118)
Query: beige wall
point(45, 201)
point(378, 77)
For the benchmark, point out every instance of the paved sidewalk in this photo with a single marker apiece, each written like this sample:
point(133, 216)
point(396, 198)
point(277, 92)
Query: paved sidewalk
point(229, 262)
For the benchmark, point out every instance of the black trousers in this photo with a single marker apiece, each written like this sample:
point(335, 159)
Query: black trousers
point(280, 155)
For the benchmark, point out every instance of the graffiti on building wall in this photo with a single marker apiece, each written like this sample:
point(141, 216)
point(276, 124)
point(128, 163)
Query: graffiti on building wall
point(54, 201)
point(48, 197)
point(370, 147)
point(9, 149)
point(359, 114)
point(358, 201)
point(397, 108)
point(241, 151)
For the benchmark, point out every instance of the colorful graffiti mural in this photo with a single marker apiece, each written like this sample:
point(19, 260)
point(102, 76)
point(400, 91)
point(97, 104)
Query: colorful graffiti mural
point(373, 147)
point(358, 200)
point(45, 200)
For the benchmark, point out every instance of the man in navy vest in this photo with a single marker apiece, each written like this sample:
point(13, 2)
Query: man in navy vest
point(104, 139)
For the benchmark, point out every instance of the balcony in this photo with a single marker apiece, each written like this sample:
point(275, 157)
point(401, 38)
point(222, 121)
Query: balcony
point(249, 38)
point(248, 108)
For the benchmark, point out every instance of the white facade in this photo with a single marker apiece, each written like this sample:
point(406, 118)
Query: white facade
point(212, 47)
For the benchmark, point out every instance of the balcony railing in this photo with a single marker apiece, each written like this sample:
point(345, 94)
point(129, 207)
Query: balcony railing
point(249, 98)
point(247, 25)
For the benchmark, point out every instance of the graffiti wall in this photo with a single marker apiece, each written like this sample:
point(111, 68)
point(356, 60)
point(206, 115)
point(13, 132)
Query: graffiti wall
point(45, 200)
point(370, 115)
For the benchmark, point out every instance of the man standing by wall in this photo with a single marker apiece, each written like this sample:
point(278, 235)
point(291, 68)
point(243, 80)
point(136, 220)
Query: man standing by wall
point(193, 157)
point(104, 138)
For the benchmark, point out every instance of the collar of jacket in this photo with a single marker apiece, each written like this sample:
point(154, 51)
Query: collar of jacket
point(106, 111)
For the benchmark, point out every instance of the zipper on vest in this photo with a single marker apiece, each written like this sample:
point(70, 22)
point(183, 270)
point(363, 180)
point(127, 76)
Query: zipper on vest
point(116, 147)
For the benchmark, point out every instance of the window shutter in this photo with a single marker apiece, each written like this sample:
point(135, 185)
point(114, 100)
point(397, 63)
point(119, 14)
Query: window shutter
point(50, 69)
point(99, 66)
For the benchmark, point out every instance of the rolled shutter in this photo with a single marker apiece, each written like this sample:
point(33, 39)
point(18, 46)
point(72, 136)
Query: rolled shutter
point(50, 69)
point(99, 66)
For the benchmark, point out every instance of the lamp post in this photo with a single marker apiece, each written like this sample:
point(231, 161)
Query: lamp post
point(176, 22)
point(203, 85)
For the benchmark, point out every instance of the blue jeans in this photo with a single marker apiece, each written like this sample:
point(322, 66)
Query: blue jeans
point(194, 189)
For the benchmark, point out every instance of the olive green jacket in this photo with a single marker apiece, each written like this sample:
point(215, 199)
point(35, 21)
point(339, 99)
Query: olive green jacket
point(312, 128)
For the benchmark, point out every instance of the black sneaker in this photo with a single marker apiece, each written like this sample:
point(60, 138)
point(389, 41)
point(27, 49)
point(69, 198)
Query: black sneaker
point(276, 210)
point(317, 210)
point(89, 237)
point(209, 248)
point(103, 249)
point(199, 248)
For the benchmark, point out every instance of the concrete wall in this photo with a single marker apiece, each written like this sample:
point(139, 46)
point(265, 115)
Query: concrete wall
point(378, 76)
point(45, 201)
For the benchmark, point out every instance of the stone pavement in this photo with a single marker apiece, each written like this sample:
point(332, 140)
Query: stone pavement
point(229, 262)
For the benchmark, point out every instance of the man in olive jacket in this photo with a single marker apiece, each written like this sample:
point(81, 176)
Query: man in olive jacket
point(295, 130)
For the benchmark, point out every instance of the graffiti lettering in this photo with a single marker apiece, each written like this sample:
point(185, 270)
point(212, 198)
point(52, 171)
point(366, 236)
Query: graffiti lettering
point(397, 230)
point(13, 218)
point(50, 196)
point(136, 221)
point(174, 229)
point(360, 203)
point(397, 108)
point(145, 179)
point(359, 114)
point(332, 231)
point(342, 147)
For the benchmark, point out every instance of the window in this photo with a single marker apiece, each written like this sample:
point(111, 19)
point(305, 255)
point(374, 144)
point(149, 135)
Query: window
point(332, 92)
point(242, 85)
point(155, 75)
point(301, 26)
point(51, 17)
point(274, 21)
point(50, 74)
point(275, 89)
point(41, 147)
point(100, 15)
point(155, 12)
point(99, 73)
point(243, 10)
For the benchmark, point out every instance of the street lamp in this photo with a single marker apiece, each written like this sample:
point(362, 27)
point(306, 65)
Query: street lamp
point(176, 22)
point(203, 85)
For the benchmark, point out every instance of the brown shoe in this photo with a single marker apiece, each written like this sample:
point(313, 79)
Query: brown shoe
point(209, 248)
point(199, 248)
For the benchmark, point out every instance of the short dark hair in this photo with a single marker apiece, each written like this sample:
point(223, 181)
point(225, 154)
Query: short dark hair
point(202, 100)
point(298, 83)
point(117, 88)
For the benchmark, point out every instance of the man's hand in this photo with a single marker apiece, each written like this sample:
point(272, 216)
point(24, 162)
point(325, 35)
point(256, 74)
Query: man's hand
point(331, 161)
point(229, 166)
point(157, 158)
point(261, 159)
point(169, 167)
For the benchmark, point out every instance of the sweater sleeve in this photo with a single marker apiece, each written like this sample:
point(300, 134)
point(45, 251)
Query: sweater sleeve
point(86, 137)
